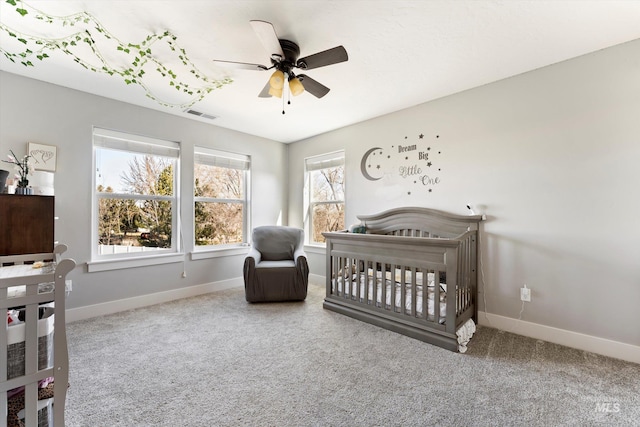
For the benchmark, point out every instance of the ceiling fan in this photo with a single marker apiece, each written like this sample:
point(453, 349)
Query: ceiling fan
point(284, 58)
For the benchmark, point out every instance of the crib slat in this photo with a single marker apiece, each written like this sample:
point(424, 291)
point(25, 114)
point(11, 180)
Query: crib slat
point(348, 291)
point(346, 283)
point(379, 284)
point(340, 274)
point(397, 288)
point(414, 291)
point(365, 282)
point(348, 276)
point(403, 276)
point(375, 283)
point(436, 296)
point(31, 404)
point(425, 295)
point(335, 274)
point(356, 279)
point(403, 290)
point(382, 290)
point(396, 283)
point(342, 277)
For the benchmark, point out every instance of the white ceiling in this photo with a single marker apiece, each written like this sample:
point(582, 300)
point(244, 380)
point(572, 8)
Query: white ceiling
point(401, 53)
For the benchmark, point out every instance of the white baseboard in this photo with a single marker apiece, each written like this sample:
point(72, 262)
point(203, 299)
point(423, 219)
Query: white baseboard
point(564, 337)
point(87, 312)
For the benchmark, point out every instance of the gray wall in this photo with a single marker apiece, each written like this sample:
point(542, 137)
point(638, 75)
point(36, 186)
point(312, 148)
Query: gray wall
point(553, 156)
point(33, 111)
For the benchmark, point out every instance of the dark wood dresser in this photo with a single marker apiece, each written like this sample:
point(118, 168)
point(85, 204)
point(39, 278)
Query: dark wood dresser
point(26, 224)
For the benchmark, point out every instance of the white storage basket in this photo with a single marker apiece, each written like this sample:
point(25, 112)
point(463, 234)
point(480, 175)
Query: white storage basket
point(16, 346)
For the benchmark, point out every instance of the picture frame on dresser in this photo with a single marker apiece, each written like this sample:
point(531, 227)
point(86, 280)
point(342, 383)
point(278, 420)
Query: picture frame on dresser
point(45, 156)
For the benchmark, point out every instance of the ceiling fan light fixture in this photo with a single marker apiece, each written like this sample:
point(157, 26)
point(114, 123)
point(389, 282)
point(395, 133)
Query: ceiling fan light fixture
point(275, 92)
point(277, 80)
point(296, 86)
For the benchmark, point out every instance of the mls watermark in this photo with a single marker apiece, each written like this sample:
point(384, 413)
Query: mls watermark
point(608, 407)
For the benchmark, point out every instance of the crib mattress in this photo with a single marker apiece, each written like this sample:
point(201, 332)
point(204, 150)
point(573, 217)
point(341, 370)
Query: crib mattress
point(387, 282)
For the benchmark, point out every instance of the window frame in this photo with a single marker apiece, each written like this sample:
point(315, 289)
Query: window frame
point(138, 144)
point(312, 164)
point(229, 160)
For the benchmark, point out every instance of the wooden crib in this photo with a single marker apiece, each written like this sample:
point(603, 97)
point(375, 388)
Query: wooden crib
point(411, 270)
point(35, 283)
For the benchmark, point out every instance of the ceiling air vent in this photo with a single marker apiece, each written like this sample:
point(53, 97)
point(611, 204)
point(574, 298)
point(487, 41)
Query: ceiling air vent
point(200, 114)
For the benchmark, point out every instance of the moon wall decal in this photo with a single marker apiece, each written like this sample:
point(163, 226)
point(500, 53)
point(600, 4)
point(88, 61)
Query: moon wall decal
point(363, 164)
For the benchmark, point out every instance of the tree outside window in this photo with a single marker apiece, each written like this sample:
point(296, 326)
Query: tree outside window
point(135, 195)
point(325, 178)
point(221, 197)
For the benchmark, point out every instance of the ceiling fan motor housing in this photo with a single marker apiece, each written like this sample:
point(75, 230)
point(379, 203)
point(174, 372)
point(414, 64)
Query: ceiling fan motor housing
point(291, 52)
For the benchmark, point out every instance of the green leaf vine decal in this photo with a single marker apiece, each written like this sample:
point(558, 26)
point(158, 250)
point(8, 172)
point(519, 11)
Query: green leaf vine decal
point(195, 85)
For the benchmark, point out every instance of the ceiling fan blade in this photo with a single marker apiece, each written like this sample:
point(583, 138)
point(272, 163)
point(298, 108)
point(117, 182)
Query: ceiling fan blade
point(313, 87)
point(321, 59)
point(240, 65)
point(265, 91)
point(268, 37)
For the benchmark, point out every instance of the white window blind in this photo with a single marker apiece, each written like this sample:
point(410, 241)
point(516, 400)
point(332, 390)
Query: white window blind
point(208, 156)
point(325, 161)
point(115, 140)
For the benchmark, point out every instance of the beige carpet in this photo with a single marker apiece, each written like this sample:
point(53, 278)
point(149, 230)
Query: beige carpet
point(216, 360)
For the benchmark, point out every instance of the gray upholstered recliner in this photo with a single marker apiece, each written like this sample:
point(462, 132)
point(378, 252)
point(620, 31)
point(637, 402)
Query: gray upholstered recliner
point(275, 268)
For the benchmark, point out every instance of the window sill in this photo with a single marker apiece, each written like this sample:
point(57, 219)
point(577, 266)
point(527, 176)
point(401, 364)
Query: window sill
point(315, 249)
point(219, 252)
point(121, 263)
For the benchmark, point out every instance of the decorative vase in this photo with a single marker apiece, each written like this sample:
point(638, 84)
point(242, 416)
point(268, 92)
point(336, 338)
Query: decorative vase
point(3, 179)
point(27, 191)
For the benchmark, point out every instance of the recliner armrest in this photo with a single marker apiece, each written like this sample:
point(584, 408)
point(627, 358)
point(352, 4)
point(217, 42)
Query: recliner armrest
point(299, 252)
point(255, 254)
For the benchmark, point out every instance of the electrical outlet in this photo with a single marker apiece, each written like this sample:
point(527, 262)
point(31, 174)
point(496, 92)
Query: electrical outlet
point(525, 294)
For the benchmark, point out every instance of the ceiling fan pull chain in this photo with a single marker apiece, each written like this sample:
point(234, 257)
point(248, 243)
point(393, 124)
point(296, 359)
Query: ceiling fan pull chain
point(284, 88)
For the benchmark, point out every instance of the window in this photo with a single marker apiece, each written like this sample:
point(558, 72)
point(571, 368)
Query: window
point(221, 202)
point(325, 195)
point(135, 196)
